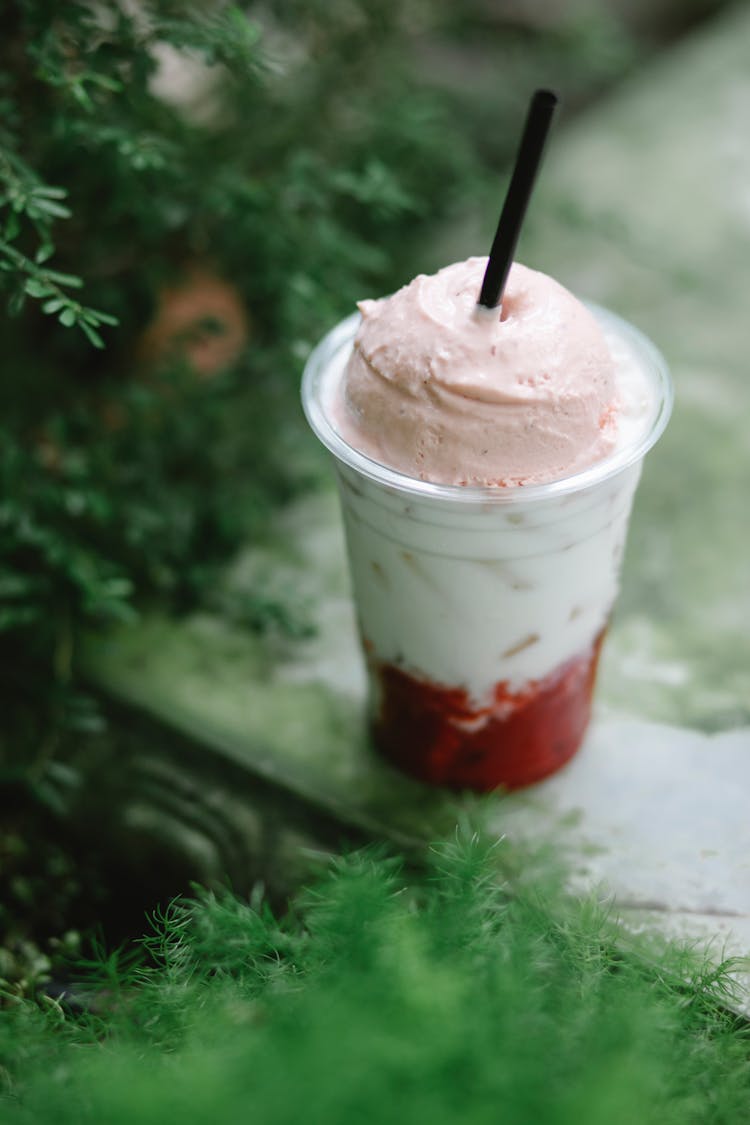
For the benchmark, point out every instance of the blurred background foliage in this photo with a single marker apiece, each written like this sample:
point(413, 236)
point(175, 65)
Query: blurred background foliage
point(190, 194)
point(204, 188)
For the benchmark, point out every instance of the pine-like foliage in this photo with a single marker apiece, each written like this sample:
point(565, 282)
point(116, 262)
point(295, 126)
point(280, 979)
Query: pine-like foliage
point(263, 203)
point(455, 997)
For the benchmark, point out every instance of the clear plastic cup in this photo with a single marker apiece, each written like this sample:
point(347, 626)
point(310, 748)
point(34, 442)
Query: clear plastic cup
point(482, 610)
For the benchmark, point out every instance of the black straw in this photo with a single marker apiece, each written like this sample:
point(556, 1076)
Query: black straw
point(528, 159)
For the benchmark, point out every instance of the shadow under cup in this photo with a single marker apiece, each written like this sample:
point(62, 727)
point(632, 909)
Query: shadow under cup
point(482, 610)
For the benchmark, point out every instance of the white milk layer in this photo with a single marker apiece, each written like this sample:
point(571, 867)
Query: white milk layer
point(485, 597)
point(470, 593)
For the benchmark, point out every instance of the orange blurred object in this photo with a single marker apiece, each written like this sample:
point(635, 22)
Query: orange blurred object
point(202, 319)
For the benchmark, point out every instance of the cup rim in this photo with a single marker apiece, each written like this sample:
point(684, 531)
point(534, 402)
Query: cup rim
point(609, 466)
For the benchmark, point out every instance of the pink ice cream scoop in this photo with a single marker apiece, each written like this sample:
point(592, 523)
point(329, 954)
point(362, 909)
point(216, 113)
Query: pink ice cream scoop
point(444, 390)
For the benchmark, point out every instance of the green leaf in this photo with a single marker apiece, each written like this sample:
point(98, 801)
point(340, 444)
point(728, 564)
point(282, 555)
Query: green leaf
point(68, 317)
point(49, 207)
point(12, 226)
point(105, 82)
point(14, 585)
point(92, 334)
point(51, 192)
point(117, 587)
point(68, 279)
point(94, 316)
point(16, 303)
point(36, 288)
point(12, 618)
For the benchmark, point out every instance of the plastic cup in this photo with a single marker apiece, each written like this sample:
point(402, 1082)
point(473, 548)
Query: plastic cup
point(482, 610)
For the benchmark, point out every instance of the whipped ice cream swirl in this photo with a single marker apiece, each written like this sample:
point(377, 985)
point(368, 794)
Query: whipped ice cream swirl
point(446, 391)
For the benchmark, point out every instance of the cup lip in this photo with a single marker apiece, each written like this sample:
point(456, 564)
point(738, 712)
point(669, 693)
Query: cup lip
point(344, 332)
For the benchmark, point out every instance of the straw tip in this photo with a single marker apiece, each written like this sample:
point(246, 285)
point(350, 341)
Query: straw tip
point(545, 99)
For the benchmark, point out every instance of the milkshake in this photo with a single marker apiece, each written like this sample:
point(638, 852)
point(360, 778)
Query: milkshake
point(487, 461)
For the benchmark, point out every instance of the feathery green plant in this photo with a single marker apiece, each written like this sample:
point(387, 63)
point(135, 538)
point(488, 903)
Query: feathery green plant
point(460, 996)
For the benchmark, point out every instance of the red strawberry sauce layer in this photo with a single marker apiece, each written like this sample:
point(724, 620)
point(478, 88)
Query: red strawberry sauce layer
point(434, 733)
